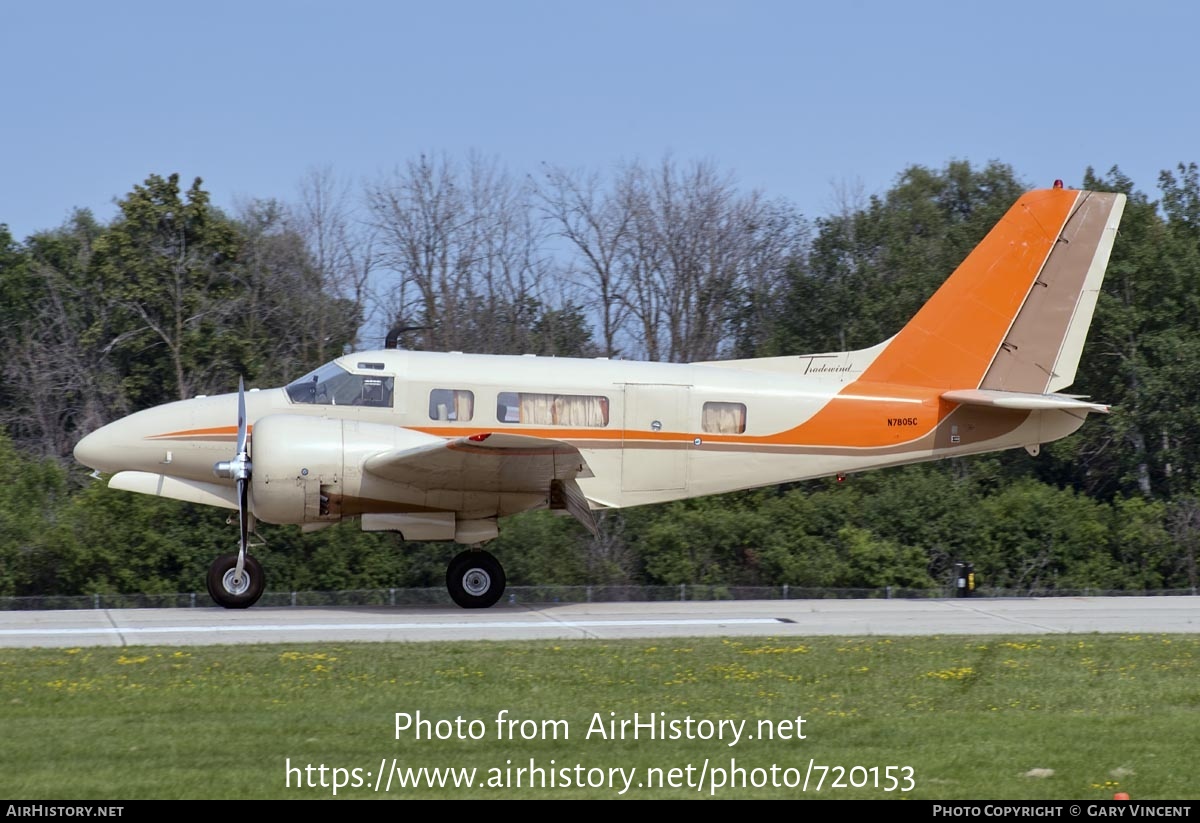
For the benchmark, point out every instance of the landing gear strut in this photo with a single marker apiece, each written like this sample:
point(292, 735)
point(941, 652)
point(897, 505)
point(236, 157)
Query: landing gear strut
point(475, 579)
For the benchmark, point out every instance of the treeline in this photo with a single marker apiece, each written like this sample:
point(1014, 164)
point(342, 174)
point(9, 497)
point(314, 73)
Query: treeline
point(174, 298)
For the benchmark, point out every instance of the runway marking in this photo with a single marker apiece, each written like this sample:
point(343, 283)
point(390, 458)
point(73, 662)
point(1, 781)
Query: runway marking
point(1024, 624)
point(314, 627)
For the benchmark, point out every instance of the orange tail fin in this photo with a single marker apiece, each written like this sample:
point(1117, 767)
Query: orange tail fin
point(1014, 315)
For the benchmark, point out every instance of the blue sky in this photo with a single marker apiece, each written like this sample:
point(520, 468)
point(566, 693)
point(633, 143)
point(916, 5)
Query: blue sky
point(793, 98)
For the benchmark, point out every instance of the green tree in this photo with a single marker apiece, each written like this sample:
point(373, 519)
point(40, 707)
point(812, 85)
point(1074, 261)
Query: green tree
point(1142, 545)
point(31, 496)
point(168, 262)
point(1142, 352)
point(60, 376)
point(289, 316)
point(877, 562)
point(1035, 536)
point(870, 268)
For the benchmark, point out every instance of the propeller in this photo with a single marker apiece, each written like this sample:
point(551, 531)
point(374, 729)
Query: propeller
point(239, 469)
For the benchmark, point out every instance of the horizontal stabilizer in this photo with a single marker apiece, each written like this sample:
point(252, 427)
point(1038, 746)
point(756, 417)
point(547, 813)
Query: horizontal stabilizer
point(1022, 400)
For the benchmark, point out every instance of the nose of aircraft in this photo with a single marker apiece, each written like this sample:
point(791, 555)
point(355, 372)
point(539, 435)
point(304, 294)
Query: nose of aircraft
point(90, 450)
point(99, 450)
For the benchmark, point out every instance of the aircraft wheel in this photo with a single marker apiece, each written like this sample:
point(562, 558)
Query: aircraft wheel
point(235, 595)
point(475, 580)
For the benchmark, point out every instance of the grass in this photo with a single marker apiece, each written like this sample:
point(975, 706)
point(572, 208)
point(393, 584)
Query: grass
point(1049, 717)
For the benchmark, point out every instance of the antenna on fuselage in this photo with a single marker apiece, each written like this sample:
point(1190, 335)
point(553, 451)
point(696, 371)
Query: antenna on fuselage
point(392, 341)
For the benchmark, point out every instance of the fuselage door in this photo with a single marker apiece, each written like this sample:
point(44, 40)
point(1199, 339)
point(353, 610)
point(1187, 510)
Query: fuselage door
point(656, 437)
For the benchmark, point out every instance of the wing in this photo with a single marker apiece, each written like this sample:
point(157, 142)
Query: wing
point(493, 462)
point(483, 462)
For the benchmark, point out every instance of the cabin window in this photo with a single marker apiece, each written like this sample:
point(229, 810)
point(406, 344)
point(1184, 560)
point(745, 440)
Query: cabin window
point(552, 409)
point(451, 405)
point(724, 418)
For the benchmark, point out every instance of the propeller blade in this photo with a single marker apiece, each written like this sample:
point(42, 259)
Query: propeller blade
point(241, 434)
point(240, 469)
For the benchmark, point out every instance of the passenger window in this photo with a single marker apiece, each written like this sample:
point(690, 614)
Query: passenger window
point(552, 409)
point(724, 418)
point(451, 405)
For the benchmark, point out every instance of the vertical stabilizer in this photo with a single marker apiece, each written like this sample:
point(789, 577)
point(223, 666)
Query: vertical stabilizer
point(1014, 314)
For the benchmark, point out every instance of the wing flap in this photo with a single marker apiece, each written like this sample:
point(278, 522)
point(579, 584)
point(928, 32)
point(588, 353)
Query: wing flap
point(566, 495)
point(1022, 400)
point(489, 462)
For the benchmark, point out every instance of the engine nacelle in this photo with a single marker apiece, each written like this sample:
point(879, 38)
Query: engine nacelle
point(298, 468)
point(309, 469)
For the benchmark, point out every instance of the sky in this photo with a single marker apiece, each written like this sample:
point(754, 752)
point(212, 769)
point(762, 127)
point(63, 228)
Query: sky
point(797, 99)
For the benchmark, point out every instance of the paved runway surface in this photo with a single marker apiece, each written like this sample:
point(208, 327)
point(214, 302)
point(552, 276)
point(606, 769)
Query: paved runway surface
point(204, 626)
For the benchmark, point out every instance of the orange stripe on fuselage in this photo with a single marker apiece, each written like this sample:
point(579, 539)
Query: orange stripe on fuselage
point(195, 434)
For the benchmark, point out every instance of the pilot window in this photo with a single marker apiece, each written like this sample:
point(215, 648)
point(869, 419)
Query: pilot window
point(724, 418)
point(331, 385)
point(374, 393)
point(552, 409)
point(451, 405)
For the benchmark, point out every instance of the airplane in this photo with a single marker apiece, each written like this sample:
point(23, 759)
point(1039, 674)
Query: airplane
point(442, 446)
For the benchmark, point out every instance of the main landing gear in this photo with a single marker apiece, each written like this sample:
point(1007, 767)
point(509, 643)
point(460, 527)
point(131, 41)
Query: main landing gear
point(475, 579)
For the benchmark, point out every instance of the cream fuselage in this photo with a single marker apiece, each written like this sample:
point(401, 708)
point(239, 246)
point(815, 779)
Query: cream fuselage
point(804, 417)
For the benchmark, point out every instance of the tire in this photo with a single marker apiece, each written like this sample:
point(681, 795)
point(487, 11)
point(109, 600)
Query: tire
point(220, 582)
point(475, 580)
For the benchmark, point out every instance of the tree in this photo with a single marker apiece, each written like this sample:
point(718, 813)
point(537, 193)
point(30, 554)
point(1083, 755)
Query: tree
point(869, 270)
point(291, 314)
point(466, 255)
point(342, 250)
point(168, 263)
point(59, 369)
point(697, 253)
point(596, 224)
point(1142, 352)
point(31, 496)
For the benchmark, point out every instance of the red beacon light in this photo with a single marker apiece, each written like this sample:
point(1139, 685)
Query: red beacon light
point(479, 438)
point(1058, 184)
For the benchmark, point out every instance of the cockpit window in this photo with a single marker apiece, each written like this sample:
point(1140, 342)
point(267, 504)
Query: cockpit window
point(331, 385)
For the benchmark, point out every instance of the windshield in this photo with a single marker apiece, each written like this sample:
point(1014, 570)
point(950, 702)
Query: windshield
point(331, 385)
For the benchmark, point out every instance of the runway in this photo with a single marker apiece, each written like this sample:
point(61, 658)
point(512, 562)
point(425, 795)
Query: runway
point(602, 621)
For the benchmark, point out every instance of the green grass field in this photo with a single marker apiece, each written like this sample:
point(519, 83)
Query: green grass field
point(1050, 717)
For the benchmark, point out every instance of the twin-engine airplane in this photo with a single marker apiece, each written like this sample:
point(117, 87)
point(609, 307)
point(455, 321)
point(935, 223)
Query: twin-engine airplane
point(441, 446)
